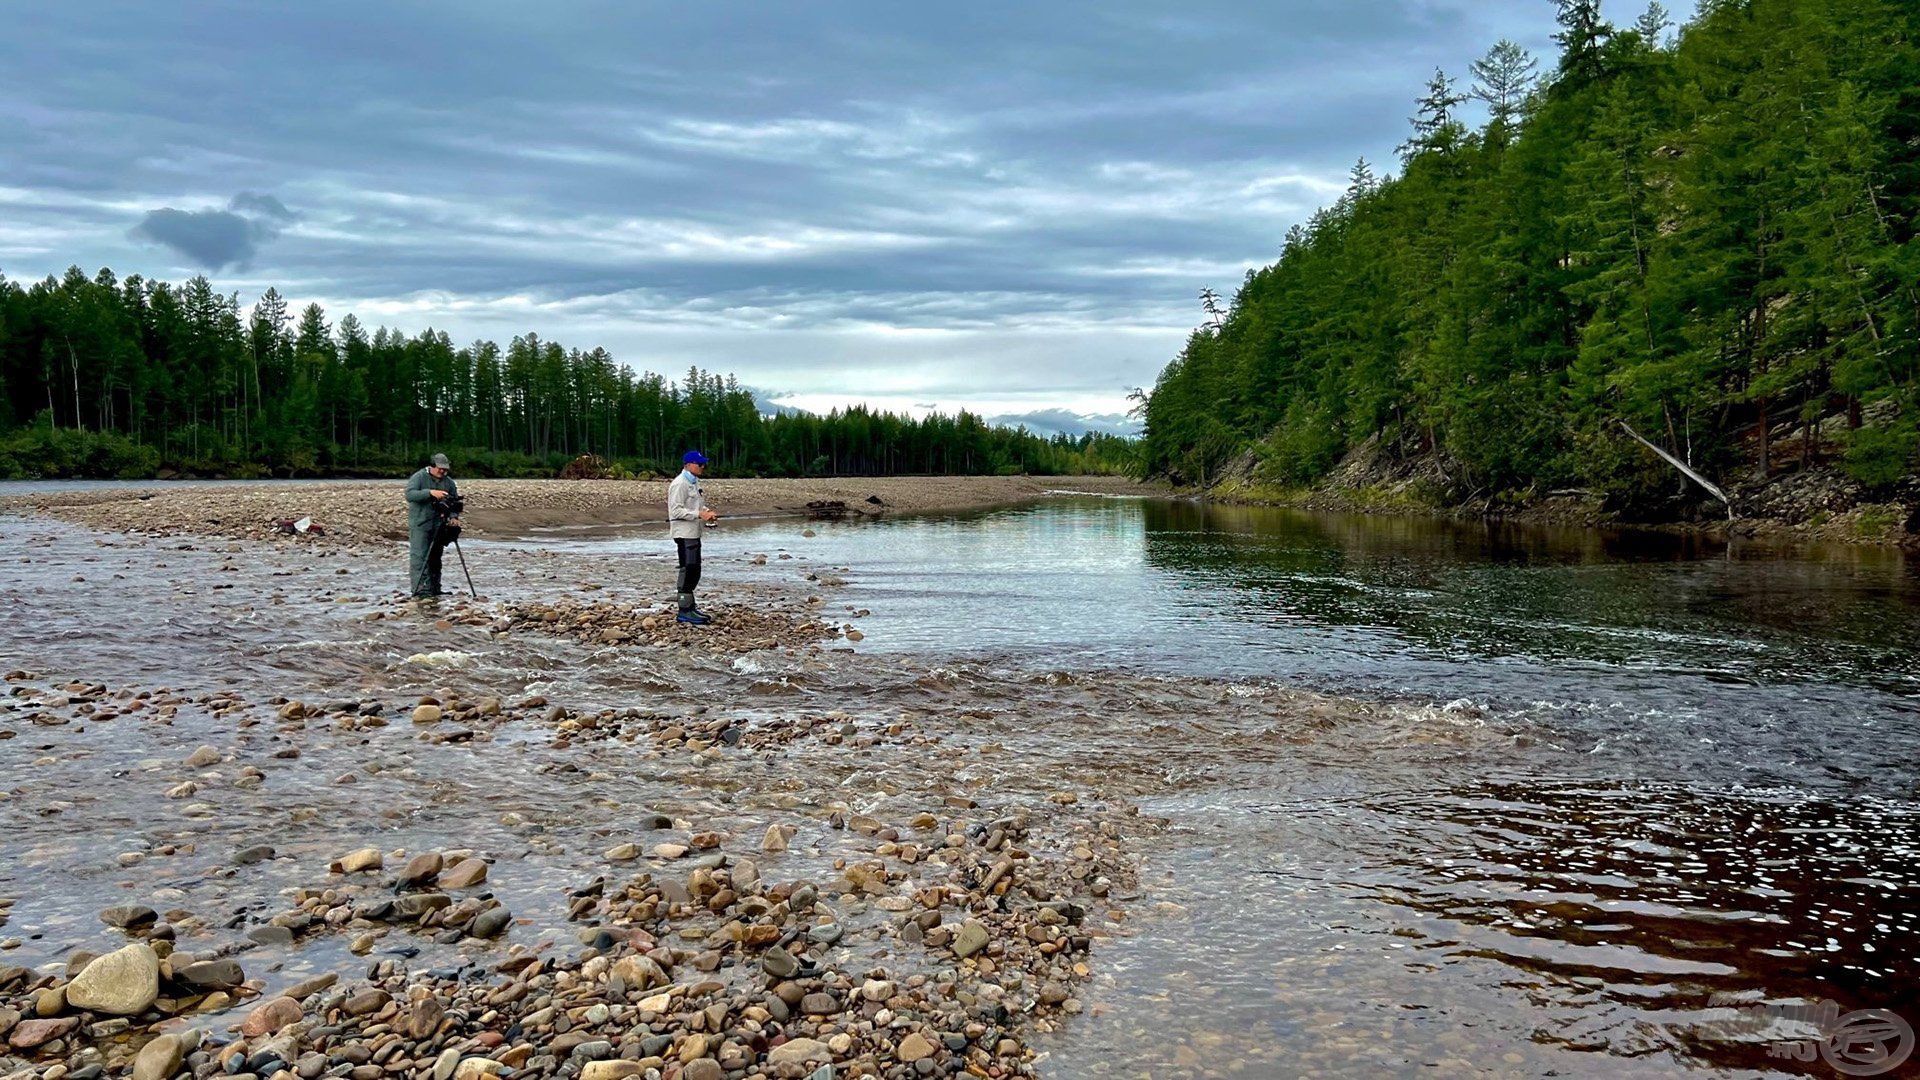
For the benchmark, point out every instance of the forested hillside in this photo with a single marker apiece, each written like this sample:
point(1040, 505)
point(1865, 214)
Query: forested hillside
point(1707, 233)
point(128, 378)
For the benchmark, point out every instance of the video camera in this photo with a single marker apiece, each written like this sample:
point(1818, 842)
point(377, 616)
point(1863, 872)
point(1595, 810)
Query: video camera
point(451, 506)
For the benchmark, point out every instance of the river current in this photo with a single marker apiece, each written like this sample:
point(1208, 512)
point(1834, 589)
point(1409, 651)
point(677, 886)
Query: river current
point(1431, 798)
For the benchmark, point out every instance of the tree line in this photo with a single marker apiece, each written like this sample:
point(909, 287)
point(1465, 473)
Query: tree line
point(104, 376)
point(1707, 234)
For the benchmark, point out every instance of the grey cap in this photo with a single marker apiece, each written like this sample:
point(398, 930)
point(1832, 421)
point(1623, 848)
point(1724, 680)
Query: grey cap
point(440, 462)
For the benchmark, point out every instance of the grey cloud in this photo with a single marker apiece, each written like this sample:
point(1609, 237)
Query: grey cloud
point(260, 206)
point(216, 239)
point(801, 193)
point(1063, 422)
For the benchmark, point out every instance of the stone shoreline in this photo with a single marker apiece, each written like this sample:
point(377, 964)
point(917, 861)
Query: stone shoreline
point(368, 512)
point(930, 934)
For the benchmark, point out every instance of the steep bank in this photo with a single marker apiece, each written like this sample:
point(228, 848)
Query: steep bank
point(1816, 502)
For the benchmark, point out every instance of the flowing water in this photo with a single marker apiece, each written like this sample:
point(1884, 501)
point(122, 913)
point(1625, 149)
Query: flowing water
point(1432, 796)
point(1697, 776)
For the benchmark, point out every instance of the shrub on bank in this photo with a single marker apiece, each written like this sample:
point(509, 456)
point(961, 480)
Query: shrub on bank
point(42, 451)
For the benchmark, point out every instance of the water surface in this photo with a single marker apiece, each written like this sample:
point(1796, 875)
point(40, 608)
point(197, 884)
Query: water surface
point(1694, 781)
point(1438, 798)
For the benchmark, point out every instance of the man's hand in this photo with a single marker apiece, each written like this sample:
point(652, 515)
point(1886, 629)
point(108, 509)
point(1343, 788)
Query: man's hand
point(437, 493)
point(708, 515)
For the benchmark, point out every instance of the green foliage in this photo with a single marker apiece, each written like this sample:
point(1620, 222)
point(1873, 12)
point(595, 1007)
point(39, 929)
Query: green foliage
point(42, 451)
point(1879, 456)
point(1702, 234)
point(1304, 448)
point(130, 377)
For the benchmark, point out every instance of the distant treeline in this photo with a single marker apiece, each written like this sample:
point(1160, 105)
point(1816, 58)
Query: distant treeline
point(114, 377)
point(1709, 235)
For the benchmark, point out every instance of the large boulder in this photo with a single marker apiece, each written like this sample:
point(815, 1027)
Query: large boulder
point(122, 983)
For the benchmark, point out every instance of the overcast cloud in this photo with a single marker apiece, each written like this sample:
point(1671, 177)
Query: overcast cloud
point(1005, 206)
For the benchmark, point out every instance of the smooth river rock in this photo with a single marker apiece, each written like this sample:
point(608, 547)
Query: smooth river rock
point(124, 982)
point(160, 1059)
point(800, 1052)
point(971, 938)
point(269, 1018)
point(464, 874)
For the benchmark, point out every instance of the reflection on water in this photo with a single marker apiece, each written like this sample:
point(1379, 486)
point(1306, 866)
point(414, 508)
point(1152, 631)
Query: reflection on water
point(1584, 783)
point(1666, 655)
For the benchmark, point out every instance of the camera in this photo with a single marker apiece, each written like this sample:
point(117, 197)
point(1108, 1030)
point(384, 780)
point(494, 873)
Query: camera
point(451, 506)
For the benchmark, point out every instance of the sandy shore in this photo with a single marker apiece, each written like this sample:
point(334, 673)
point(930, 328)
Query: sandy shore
point(365, 511)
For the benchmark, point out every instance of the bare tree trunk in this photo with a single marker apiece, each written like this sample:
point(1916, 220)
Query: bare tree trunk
point(1712, 488)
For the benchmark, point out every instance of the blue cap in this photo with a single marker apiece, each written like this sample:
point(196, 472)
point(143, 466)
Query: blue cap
point(694, 457)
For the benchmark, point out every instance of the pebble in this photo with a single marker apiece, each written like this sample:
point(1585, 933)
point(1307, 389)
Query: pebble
point(129, 916)
point(420, 870)
point(780, 964)
point(221, 974)
point(464, 874)
point(160, 1058)
point(969, 939)
point(615, 1070)
point(914, 1047)
point(800, 1052)
point(357, 861)
point(28, 1034)
point(269, 1018)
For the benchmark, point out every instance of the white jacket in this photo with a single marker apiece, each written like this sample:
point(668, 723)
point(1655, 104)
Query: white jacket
point(684, 503)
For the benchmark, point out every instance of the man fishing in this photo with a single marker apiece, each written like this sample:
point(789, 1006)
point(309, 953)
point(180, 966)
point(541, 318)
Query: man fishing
point(687, 515)
point(431, 525)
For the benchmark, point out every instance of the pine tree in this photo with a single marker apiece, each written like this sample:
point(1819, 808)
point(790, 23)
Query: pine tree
point(1434, 126)
point(1653, 25)
point(1503, 79)
point(1583, 37)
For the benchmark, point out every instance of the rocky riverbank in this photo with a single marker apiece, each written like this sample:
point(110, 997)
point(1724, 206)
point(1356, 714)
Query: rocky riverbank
point(364, 512)
point(680, 871)
point(1815, 504)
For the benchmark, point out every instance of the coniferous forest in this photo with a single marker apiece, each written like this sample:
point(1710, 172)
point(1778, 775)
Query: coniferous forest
point(1705, 232)
point(130, 378)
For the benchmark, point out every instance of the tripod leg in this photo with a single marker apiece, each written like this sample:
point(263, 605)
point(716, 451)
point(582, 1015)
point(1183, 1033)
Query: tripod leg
point(460, 551)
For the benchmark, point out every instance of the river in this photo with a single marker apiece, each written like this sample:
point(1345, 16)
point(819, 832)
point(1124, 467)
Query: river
point(1427, 795)
point(1703, 783)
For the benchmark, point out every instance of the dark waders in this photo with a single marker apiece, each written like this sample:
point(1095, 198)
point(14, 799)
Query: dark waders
point(426, 553)
point(689, 551)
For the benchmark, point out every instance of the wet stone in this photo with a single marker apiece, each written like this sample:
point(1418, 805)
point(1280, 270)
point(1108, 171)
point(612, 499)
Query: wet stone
point(464, 874)
point(420, 870)
point(129, 916)
point(780, 964)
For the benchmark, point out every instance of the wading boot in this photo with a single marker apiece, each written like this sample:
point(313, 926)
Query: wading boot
point(689, 614)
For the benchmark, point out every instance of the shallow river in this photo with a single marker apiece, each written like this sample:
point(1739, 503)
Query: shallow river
point(1701, 779)
point(1438, 799)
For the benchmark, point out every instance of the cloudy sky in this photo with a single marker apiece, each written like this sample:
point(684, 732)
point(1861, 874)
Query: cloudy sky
point(1009, 207)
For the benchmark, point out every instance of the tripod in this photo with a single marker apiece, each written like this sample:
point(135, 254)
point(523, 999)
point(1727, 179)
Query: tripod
point(439, 525)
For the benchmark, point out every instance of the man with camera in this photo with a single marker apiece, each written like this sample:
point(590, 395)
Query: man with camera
point(433, 521)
